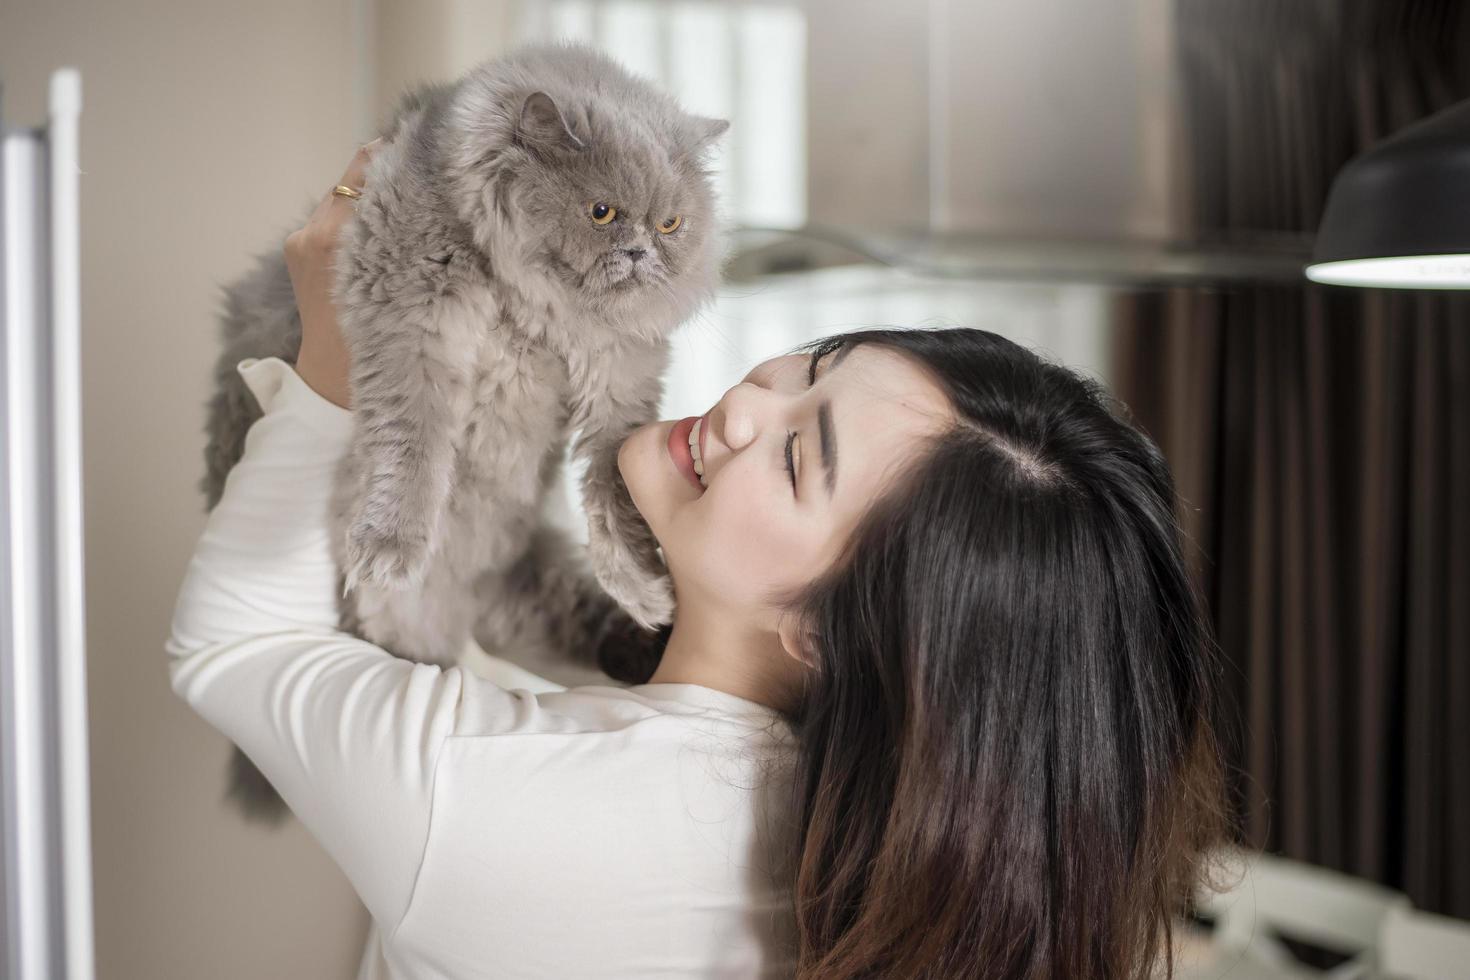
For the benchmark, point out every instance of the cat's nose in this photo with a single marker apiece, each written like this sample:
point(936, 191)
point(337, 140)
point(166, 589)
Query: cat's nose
point(635, 253)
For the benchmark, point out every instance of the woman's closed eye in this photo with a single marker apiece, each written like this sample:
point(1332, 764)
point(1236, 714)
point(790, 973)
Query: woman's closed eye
point(811, 379)
point(790, 467)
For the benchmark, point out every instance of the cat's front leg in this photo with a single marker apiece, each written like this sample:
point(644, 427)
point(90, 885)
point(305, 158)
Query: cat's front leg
point(622, 550)
point(410, 396)
point(612, 396)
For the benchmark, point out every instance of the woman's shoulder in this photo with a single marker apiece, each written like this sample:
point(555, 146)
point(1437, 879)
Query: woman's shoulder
point(502, 697)
point(510, 706)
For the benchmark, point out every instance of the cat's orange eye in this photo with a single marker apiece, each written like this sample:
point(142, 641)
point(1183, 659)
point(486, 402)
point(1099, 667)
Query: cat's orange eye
point(671, 224)
point(603, 213)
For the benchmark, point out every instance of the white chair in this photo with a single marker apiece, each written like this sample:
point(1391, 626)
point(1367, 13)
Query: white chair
point(1269, 897)
point(1418, 946)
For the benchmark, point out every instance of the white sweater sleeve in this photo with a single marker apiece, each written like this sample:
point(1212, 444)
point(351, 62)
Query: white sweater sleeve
point(348, 733)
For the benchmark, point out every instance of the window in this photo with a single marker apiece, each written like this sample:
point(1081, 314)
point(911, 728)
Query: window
point(741, 61)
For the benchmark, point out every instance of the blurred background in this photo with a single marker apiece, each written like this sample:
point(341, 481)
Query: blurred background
point(1131, 186)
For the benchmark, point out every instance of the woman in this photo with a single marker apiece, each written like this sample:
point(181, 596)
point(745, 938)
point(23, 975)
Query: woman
point(935, 702)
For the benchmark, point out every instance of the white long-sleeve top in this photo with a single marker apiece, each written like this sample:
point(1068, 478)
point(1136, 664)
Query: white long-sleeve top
point(490, 831)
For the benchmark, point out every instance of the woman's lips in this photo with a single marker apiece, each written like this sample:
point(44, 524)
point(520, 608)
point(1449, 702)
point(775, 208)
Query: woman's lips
point(678, 446)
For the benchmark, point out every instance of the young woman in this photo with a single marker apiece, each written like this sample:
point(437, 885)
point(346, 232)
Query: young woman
point(936, 701)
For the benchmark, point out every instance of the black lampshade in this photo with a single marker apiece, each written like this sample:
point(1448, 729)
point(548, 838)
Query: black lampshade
point(1399, 214)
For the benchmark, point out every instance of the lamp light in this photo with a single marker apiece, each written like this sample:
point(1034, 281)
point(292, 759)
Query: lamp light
point(1398, 215)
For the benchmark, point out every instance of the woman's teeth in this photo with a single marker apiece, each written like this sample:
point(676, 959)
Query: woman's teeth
point(694, 451)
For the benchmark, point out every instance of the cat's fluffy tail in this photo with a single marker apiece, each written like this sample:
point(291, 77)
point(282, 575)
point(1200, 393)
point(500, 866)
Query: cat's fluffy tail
point(258, 319)
point(252, 794)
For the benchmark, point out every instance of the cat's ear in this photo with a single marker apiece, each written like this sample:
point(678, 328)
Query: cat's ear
point(703, 131)
point(543, 127)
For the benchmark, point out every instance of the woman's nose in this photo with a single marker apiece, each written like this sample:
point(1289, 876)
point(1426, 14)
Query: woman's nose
point(740, 413)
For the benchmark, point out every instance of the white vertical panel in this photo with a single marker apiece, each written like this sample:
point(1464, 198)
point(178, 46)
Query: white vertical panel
point(745, 62)
point(772, 164)
point(69, 609)
point(570, 20)
point(628, 30)
point(700, 78)
point(31, 894)
point(47, 928)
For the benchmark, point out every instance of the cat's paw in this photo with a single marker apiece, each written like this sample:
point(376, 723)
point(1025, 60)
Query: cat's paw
point(387, 559)
point(650, 602)
point(647, 597)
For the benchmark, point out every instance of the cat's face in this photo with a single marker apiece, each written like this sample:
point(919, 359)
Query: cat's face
point(616, 213)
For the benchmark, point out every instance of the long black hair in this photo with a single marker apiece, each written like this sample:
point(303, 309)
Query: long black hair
point(1006, 766)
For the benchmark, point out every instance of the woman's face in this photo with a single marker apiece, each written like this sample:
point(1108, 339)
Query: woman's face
point(751, 525)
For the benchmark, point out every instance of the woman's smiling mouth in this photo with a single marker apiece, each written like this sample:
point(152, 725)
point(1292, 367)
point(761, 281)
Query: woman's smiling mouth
point(682, 453)
point(696, 447)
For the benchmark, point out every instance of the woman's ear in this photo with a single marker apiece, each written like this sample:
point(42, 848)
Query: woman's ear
point(798, 641)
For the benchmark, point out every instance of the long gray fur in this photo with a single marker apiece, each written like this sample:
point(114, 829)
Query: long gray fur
point(489, 319)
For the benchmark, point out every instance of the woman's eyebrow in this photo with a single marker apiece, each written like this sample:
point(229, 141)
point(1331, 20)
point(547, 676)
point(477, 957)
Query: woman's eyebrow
point(827, 436)
point(826, 432)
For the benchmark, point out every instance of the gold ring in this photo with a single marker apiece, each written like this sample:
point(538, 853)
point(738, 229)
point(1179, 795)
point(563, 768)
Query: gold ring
point(344, 191)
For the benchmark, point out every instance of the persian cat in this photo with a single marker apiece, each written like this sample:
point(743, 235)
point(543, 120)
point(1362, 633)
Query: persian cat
point(528, 238)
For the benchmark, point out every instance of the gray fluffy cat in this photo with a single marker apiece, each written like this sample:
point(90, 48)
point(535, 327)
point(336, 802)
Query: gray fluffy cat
point(528, 238)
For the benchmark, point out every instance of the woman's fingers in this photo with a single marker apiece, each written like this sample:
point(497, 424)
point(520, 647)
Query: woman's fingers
point(323, 361)
point(355, 177)
point(356, 170)
point(337, 208)
point(321, 229)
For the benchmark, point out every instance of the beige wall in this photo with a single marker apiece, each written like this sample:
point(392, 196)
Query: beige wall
point(1049, 118)
point(433, 41)
point(207, 127)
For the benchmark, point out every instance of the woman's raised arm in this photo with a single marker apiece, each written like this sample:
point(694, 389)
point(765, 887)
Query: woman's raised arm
point(347, 733)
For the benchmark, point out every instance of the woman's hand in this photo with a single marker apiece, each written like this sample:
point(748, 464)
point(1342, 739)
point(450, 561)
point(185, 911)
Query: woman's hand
point(323, 361)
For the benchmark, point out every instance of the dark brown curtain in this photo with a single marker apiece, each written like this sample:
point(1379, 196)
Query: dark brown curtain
point(1321, 440)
